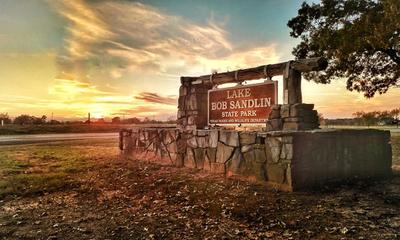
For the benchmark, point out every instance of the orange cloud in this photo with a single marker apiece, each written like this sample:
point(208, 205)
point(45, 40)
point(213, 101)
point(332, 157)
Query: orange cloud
point(155, 98)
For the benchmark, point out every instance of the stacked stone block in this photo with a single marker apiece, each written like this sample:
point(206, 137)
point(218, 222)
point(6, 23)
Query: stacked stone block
point(192, 106)
point(298, 116)
point(151, 143)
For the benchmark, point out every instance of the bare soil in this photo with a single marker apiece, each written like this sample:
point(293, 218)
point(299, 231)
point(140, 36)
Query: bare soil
point(100, 195)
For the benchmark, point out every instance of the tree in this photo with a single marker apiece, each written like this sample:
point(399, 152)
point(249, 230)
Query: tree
point(5, 118)
point(321, 119)
point(24, 119)
point(384, 117)
point(367, 118)
point(359, 38)
point(41, 120)
point(133, 120)
point(116, 120)
point(395, 114)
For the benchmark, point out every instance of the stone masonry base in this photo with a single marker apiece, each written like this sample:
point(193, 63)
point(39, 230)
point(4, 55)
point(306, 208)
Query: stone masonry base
point(286, 160)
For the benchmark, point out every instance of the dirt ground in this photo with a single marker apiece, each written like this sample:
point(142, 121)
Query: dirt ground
point(85, 190)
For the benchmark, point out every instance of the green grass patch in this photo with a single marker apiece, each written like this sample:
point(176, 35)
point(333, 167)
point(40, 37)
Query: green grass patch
point(34, 169)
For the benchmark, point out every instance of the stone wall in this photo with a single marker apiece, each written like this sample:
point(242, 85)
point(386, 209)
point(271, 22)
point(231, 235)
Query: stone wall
point(298, 116)
point(286, 160)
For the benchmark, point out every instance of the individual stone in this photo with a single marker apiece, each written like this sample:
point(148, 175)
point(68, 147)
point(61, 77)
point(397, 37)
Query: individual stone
point(141, 144)
point(247, 138)
point(181, 122)
point(234, 164)
point(272, 149)
point(182, 103)
point(189, 128)
point(142, 136)
point(183, 90)
point(285, 111)
point(293, 119)
point(276, 107)
point(298, 109)
point(179, 160)
point(199, 155)
point(230, 138)
point(276, 173)
point(311, 117)
point(201, 142)
point(287, 139)
point(218, 167)
point(256, 170)
point(202, 133)
point(275, 114)
point(190, 160)
point(213, 138)
point(192, 102)
point(289, 175)
point(292, 126)
point(211, 154)
point(192, 142)
point(181, 144)
point(192, 112)
point(169, 137)
point(246, 148)
point(275, 124)
point(259, 153)
point(207, 162)
point(172, 147)
point(191, 120)
point(287, 151)
point(223, 153)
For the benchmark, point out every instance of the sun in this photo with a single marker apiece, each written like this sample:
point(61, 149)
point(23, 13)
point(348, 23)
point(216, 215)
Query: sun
point(98, 111)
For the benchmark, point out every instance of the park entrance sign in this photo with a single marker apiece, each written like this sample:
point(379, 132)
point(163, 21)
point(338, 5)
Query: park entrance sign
point(242, 104)
point(290, 152)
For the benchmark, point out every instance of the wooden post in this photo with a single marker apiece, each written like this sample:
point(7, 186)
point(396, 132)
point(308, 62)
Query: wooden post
point(294, 87)
point(291, 85)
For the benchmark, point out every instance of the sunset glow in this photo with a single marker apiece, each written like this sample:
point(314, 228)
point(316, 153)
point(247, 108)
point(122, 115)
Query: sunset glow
point(125, 58)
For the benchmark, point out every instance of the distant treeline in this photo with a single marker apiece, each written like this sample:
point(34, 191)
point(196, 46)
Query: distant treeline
point(25, 119)
point(391, 117)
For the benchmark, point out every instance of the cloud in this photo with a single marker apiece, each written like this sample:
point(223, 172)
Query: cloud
point(155, 98)
point(124, 37)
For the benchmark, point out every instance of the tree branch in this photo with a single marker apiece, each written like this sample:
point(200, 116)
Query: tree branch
point(392, 54)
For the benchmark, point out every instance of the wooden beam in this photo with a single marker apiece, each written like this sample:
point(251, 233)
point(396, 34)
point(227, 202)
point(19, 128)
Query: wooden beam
point(302, 65)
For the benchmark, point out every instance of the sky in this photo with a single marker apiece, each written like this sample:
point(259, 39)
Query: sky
point(125, 58)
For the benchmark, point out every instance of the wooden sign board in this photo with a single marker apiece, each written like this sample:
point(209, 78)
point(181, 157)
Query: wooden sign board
point(249, 104)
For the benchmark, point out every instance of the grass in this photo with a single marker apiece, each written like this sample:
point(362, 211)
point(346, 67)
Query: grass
point(33, 169)
point(396, 148)
point(12, 129)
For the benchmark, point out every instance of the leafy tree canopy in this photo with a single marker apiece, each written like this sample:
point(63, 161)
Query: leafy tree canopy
point(359, 38)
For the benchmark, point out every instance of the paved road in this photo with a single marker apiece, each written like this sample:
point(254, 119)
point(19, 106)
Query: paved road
point(38, 138)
